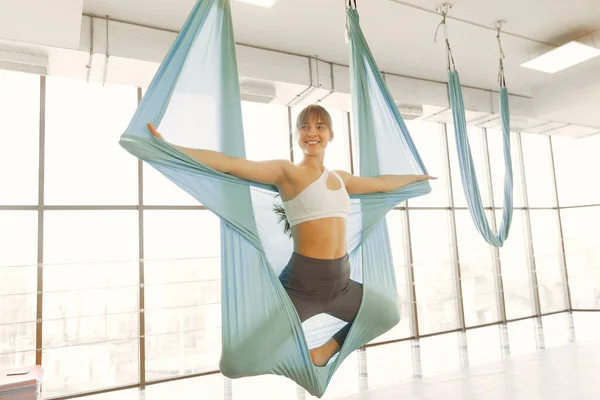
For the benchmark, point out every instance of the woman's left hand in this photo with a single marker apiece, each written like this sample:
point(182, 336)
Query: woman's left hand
point(421, 178)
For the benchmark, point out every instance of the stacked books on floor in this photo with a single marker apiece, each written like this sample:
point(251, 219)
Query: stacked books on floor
point(21, 383)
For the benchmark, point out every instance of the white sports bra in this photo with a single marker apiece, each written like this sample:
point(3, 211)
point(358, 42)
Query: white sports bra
point(318, 201)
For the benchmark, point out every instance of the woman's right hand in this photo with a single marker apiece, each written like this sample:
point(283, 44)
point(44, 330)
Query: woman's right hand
point(154, 131)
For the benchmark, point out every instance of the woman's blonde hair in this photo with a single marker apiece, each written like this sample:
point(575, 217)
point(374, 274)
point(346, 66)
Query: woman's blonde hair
point(310, 112)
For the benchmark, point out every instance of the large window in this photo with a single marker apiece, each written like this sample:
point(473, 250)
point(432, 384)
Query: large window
point(84, 164)
point(548, 260)
point(90, 307)
point(539, 176)
point(434, 271)
point(19, 124)
point(183, 292)
point(98, 258)
point(580, 233)
point(18, 286)
point(477, 273)
point(577, 165)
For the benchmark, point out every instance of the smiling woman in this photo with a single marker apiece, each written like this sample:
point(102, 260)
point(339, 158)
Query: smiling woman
point(316, 205)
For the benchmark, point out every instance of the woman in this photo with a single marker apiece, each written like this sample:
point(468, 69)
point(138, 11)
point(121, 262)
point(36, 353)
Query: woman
point(316, 204)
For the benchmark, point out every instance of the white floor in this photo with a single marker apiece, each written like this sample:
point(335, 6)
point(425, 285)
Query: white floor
point(570, 372)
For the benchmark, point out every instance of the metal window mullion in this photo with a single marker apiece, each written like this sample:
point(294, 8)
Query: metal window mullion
point(349, 130)
point(527, 227)
point(453, 233)
point(141, 269)
point(565, 271)
point(495, 251)
point(291, 129)
point(40, 236)
point(412, 294)
point(460, 306)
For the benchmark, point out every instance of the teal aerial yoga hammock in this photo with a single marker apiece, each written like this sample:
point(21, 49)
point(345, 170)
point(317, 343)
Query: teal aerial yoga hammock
point(465, 159)
point(194, 100)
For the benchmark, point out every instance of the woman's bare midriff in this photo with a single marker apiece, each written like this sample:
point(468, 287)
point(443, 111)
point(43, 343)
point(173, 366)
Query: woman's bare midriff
point(321, 238)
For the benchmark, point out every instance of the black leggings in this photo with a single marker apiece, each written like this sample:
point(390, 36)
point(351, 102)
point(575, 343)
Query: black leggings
point(318, 286)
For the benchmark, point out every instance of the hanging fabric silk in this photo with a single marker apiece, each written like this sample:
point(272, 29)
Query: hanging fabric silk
point(465, 158)
point(194, 101)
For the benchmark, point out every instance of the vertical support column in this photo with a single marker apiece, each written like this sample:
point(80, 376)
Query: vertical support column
point(453, 235)
point(416, 358)
point(291, 128)
point(349, 130)
point(528, 239)
point(535, 292)
point(414, 318)
point(562, 239)
point(460, 307)
point(228, 389)
point(40, 237)
point(363, 373)
point(504, 341)
point(141, 269)
point(495, 252)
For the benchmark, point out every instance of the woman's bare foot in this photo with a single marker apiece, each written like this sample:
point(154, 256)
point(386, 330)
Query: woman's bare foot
point(154, 131)
point(321, 355)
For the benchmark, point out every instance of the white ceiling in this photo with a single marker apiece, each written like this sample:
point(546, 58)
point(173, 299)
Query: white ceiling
point(400, 35)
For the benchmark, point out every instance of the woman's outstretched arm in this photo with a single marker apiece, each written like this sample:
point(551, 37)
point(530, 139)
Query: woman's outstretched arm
point(271, 172)
point(379, 184)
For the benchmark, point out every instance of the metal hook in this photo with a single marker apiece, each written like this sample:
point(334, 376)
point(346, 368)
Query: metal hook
point(501, 78)
point(443, 9)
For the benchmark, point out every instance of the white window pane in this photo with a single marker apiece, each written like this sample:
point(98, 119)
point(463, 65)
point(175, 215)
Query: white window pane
point(397, 228)
point(264, 387)
point(19, 153)
point(88, 303)
point(158, 190)
point(477, 273)
point(266, 131)
point(496, 152)
point(484, 345)
point(180, 271)
point(476, 142)
point(548, 260)
point(581, 238)
point(539, 176)
point(515, 270)
point(428, 139)
point(63, 332)
point(338, 150)
point(84, 162)
point(587, 325)
point(434, 271)
point(556, 330)
point(77, 369)
point(90, 276)
point(577, 165)
point(17, 340)
point(440, 354)
point(182, 353)
point(18, 280)
point(183, 292)
point(204, 387)
point(389, 364)
point(90, 236)
point(18, 235)
point(181, 234)
point(16, 359)
point(17, 308)
point(521, 337)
